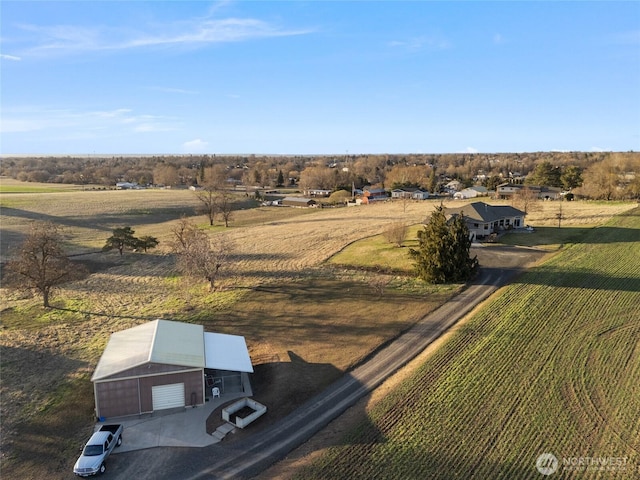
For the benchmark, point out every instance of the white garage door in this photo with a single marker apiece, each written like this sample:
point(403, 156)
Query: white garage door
point(168, 396)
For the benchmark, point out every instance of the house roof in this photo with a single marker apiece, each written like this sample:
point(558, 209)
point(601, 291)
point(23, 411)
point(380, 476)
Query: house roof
point(408, 189)
point(484, 212)
point(300, 200)
point(374, 190)
point(172, 343)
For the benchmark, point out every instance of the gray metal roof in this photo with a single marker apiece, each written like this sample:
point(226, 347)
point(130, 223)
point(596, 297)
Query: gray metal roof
point(300, 200)
point(485, 213)
point(159, 341)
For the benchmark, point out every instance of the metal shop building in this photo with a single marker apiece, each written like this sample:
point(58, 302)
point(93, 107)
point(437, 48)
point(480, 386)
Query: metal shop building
point(165, 364)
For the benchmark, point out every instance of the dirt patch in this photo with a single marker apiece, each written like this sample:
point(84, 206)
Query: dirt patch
point(281, 386)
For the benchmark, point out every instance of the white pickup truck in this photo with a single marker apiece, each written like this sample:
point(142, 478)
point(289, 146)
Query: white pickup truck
point(97, 449)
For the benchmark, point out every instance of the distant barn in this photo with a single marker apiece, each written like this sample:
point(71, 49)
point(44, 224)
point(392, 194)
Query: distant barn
point(298, 202)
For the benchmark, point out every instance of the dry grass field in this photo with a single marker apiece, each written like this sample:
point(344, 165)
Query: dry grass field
point(297, 314)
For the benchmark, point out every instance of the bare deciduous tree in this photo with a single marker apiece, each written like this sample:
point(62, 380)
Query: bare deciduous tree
point(40, 262)
point(197, 255)
point(317, 177)
point(525, 199)
point(395, 233)
point(165, 174)
point(209, 204)
point(215, 176)
point(215, 201)
point(379, 284)
point(224, 200)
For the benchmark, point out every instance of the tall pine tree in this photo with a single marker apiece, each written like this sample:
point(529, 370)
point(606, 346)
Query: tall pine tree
point(443, 253)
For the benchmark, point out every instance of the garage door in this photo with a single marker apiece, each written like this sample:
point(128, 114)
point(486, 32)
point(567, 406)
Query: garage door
point(168, 396)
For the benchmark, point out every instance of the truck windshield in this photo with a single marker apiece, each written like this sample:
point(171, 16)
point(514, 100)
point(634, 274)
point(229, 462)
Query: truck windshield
point(92, 450)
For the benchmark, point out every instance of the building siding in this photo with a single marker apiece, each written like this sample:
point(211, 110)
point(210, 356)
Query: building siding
point(133, 396)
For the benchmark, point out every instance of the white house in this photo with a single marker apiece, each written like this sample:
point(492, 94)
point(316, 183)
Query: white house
point(471, 192)
point(453, 186)
point(483, 219)
point(412, 193)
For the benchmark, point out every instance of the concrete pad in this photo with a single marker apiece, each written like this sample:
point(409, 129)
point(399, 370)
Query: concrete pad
point(226, 428)
point(184, 427)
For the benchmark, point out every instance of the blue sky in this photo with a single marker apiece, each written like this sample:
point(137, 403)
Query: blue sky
point(330, 77)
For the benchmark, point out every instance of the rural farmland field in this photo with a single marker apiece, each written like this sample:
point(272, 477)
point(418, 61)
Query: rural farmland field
point(279, 295)
point(550, 365)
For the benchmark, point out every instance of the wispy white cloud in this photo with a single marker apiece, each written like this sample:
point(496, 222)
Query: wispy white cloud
point(63, 37)
point(195, 146)
point(498, 39)
point(174, 90)
point(116, 121)
point(213, 31)
point(422, 43)
point(194, 32)
point(10, 57)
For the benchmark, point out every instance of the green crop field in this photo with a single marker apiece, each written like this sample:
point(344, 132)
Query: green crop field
point(550, 365)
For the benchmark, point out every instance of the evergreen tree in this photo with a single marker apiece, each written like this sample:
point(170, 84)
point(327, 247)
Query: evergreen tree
point(147, 242)
point(122, 238)
point(571, 177)
point(463, 266)
point(443, 253)
point(545, 174)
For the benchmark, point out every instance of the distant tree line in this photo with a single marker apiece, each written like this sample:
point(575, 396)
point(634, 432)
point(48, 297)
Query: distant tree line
point(602, 175)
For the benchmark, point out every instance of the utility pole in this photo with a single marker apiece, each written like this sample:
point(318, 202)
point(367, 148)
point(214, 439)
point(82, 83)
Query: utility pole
point(559, 214)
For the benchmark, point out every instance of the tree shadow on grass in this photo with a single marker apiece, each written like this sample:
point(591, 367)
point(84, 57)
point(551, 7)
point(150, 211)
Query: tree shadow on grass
point(579, 278)
point(104, 222)
point(42, 411)
point(554, 235)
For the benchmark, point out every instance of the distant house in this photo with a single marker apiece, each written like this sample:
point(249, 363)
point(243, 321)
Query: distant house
point(371, 195)
point(317, 192)
point(412, 193)
point(453, 186)
point(508, 190)
point(127, 185)
point(164, 364)
point(483, 219)
point(471, 192)
point(298, 202)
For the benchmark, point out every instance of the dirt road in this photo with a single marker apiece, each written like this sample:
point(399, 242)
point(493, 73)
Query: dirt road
point(247, 458)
